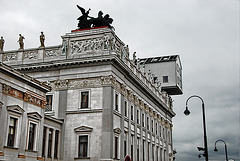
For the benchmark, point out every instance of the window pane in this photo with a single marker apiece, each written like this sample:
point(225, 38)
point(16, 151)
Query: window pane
point(44, 141)
point(83, 146)
point(50, 143)
point(49, 103)
point(56, 145)
point(165, 79)
point(11, 132)
point(84, 99)
point(31, 136)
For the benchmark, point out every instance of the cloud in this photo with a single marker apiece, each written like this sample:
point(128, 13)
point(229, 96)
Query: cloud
point(204, 33)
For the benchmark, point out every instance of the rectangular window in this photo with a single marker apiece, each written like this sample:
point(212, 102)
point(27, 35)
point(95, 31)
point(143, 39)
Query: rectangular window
point(160, 131)
point(56, 144)
point(156, 128)
point(44, 141)
point(131, 112)
point(165, 79)
point(11, 131)
point(125, 148)
point(137, 116)
point(49, 103)
point(116, 147)
point(125, 108)
point(148, 123)
point(132, 140)
point(143, 120)
point(50, 136)
point(31, 136)
point(116, 102)
point(83, 146)
point(152, 126)
point(138, 149)
point(84, 99)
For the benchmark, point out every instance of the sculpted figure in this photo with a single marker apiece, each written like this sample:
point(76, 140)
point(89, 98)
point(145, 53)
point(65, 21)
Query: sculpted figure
point(42, 38)
point(1, 43)
point(83, 19)
point(20, 40)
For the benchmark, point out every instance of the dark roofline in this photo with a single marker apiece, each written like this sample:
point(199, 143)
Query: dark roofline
point(24, 78)
point(159, 59)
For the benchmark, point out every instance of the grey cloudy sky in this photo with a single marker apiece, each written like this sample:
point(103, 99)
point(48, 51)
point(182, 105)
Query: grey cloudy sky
point(205, 33)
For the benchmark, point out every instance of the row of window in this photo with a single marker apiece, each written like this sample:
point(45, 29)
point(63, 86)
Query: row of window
point(157, 153)
point(50, 143)
point(13, 137)
point(145, 121)
point(84, 101)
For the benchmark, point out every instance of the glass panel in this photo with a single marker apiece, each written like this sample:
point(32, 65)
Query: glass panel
point(84, 99)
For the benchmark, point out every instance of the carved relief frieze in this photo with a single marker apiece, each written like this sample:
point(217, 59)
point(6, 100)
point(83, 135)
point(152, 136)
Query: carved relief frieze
point(136, 100)
point(8, 90)
point(141, 104)
point(107, 80)
point(52, 53)
point(105, 42)
point(61, 84)
point(10, 56)
point(30, 55)
point(5, 89)
point(130, 96)
point(124, 90)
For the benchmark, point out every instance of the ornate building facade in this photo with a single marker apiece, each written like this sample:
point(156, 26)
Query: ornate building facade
point(102, 106)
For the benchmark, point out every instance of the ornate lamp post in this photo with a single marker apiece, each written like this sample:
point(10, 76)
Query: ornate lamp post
point(187, 112)
point(215, 149)
point(231, 159)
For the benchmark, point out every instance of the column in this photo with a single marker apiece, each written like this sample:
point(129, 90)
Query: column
point(62, 115)
point(107, 124)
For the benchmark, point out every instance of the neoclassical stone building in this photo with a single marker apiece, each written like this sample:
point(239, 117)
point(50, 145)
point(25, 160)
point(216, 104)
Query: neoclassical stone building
point(102, 106)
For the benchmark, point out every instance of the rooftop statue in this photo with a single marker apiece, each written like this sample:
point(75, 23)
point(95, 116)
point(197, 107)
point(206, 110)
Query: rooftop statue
point(1, 43)
point(86, 21)
point(20, 40)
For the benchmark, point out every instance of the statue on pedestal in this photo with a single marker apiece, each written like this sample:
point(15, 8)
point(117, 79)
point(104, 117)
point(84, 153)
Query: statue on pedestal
point(20, 40)
point(86, 21)
point(1, 43)
point(42, 39)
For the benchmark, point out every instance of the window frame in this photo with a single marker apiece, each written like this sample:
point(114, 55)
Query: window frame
point(33, 148)
point(14, 111)
point(34, 118)
point(82, 131)
point(165, 79)
point(80, 99)
point(79, 146)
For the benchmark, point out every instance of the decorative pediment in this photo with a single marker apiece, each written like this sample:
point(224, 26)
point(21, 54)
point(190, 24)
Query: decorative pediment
point(34, 115)
point(117, 130)
point(16, 109)
point(83, 129)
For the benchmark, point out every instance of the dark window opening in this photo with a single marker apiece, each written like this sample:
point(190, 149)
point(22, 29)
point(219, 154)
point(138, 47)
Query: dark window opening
point(165, 79)
point(11, 131)
point(83, 146)
point(84, 99)
point(31, 136)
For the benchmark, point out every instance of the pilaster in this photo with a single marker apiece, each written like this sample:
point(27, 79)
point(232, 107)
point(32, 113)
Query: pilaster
point(107, 122)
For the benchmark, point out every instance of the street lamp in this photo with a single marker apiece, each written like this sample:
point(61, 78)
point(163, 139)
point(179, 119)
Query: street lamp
point(215, 149)
point(187, 112)
point(231, 159)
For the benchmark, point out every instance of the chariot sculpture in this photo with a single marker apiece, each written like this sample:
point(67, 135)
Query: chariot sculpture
point(86, 21)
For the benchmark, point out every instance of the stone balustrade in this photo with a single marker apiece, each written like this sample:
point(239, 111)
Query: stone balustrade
point(76, 45)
